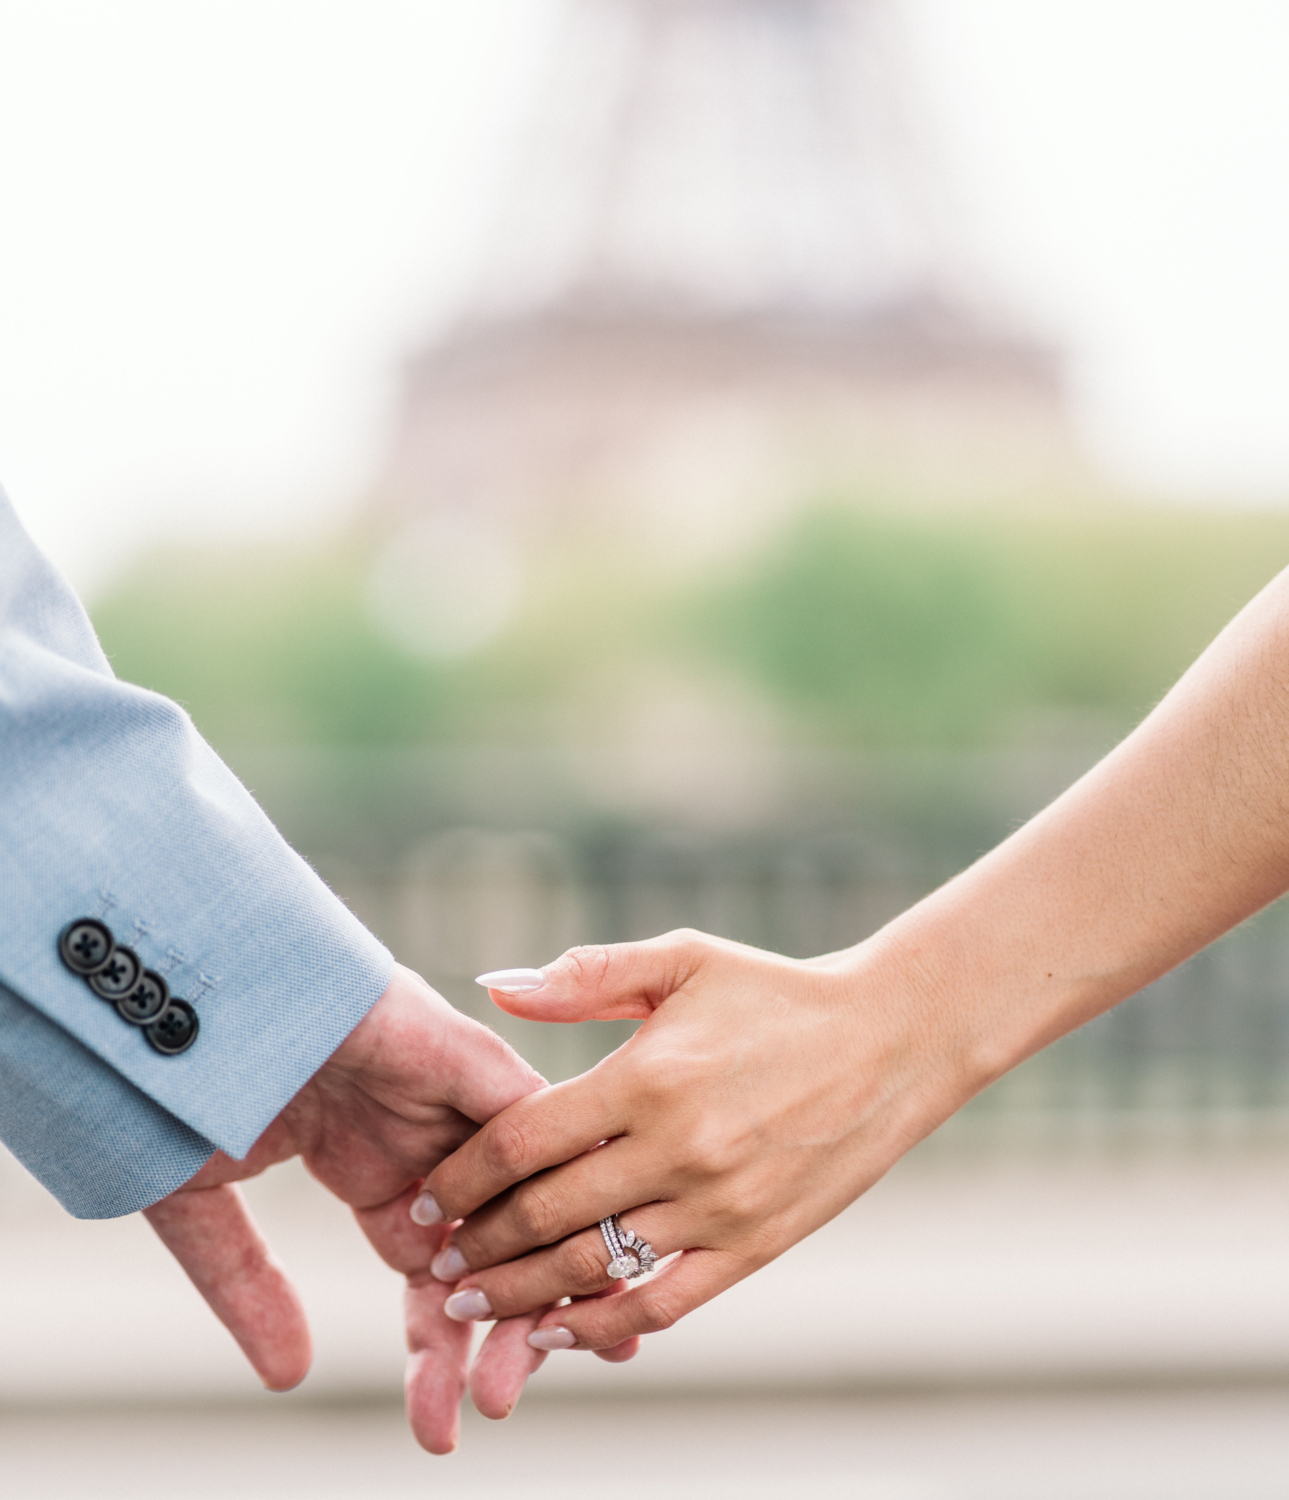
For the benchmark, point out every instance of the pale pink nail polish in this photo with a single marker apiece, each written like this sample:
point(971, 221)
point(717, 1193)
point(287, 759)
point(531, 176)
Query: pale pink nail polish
point(513, 981)
point(550, 1338)
point(449, 1265)
point(425, 1210)
point(468, 1306)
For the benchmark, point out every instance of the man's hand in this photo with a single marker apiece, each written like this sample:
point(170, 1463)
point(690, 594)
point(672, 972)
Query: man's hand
point(412, 1081)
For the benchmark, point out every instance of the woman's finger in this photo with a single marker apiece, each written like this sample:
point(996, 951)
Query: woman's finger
point(605, 982)
point(540, 1131)
point(505, 1361)
point(210, 1232)
point(553, 1205)
point(628, 1348)
point(620, 1353)
point(605, 1322)
point(576, 1267)
point(557, 1124)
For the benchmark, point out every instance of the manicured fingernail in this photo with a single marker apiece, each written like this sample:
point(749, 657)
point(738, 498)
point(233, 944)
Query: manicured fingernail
point(425, 1210)
point(513, 981)
point(449, 1265)
point(468, 1306)
point(550, 1338)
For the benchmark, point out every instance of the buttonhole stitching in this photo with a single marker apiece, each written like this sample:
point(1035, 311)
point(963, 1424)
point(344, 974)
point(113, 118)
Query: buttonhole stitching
point(206, 984)
point(174, 957)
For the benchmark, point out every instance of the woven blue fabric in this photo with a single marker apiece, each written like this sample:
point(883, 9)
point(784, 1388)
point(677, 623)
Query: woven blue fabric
point(98, 1144)
point(113, 806)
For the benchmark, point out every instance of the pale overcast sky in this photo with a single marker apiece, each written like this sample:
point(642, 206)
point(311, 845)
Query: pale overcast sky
point(223, 224)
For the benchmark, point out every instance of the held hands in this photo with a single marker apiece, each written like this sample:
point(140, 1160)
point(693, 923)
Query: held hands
point(409, 1085)
point(760, 1097)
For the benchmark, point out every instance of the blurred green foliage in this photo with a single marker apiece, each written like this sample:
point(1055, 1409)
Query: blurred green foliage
point(266, 646)
point(977, 627)
point(867, 627)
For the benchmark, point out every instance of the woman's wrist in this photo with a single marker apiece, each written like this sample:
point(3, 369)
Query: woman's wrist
point(959, 1012)
point(911, 1050)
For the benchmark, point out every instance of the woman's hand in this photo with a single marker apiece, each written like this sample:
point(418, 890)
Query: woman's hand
point(762, 1095)
point(759, 1098)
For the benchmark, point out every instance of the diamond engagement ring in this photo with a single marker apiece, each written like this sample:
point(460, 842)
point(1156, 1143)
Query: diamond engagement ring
point(629, 1256)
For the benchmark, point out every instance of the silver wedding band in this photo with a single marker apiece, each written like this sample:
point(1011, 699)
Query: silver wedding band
point(629, 1257)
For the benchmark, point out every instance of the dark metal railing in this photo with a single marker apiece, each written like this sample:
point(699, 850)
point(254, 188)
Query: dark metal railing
point(1203, 1047)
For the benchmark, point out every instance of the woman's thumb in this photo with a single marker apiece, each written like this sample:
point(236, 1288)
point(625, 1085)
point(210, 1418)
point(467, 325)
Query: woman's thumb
point(602, 982)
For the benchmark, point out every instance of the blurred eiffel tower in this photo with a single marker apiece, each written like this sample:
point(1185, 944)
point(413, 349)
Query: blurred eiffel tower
point(724, 284)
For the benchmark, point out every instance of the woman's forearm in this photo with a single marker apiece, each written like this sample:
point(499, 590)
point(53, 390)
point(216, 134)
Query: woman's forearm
point(1175, 837)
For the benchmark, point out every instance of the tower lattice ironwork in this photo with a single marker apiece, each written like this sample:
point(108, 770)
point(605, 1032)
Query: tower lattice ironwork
point(724, 282)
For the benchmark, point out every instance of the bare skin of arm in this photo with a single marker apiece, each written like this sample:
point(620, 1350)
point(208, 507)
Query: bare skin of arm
point(764, 1094)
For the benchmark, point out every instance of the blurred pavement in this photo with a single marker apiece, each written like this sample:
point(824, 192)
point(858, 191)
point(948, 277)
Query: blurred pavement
point(1195, 1445)
point(956, 1272)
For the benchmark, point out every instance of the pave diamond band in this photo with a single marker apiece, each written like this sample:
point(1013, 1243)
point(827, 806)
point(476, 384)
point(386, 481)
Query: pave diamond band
point(628, 1256)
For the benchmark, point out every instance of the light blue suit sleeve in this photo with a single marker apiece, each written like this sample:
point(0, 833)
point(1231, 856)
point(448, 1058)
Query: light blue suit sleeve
point(112, 806)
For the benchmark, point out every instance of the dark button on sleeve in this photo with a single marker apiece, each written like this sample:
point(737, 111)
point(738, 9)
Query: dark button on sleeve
point(174, 1030)
point(138, 995)
point(86, 945)
point(146, 1000)
point(118, 976)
